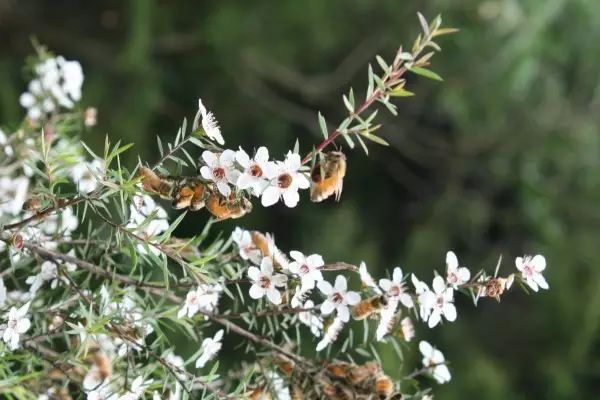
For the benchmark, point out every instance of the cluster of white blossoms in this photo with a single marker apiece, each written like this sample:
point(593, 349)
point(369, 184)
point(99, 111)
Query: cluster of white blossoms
point(271, 276)
point(57, 83)
point(236, 170)
point(147, 219)
point(16, 324)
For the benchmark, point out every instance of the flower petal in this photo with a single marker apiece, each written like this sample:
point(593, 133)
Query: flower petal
point(270, 196)
point(256, 292)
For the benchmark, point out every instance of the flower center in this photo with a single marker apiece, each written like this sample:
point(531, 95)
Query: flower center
point(304, 269)
point(256, 171)
point(265, 282)
point(284, 181)
point(528, 270)
point(440, 301)
point(452, 277)
point(12, 324)
point(395, 291)
point(337, 298)
point(219, 173)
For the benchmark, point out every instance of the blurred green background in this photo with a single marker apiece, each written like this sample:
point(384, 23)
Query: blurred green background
point(500, 159)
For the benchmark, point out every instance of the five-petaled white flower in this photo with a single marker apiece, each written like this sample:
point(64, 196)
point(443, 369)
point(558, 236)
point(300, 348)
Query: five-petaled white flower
point(209, 123)
point(434, 360)
point(246, 246)
point(84, 175)
point(531, 269)
point(286, 183)
point(148, 218)
point(338, 298)
point(204, 298)
point(307, 268)
point(331, 334)
point(455, 275)
point(219, 169)
point(395, 288)
point(265, 282)
point(17, 323)
point(440, 302)
point(257, 171)
point(210, 348)
point(311, 320)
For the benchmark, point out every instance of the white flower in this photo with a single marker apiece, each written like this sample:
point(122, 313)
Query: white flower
point(219, 169)
point(287, 183)
point(331, 334)
point(408, 329)
point(366, 278)
point(209, 123)
point(440, 301)
point(209, 349)
point(205, 298)
point(177, 363)
point(531, 270)
point(8, 150)
point(338, 298)
point(2, 293)
point(433, 359)
point(265, 282)
point(84, 175)
point(148, 218)
point(57, 83)
point(137, 389)
point(387, 319)
point(49, 272)
point(456, 275)
point(307, 268)
point(257, 171)
point(278, 386)
point(423, 297)
point(246, 246)
point(395, 288)
point(13, 193)
point(63, 223)
point(16, 324)
point(311, 320)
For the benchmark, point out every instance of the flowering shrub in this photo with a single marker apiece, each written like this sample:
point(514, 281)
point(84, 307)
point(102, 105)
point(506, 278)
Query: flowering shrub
point(95, 290)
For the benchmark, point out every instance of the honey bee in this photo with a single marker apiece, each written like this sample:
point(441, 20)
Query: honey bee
point(153, 183)
point(189, 193)
point(103, 364)
point(32, 204)
point(225, 208)
point(359, 374)
point(287, 366)
point(368, 307)
point(339, 369)
point(328, 177)
point(337, 391)
point(384, 386)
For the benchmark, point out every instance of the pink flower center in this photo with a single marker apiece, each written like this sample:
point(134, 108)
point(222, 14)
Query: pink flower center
point(218, 173)
point(265, 282)
point(395, 290)
point(337, 298)
point(528, 270)
point(452, 277)
point(256, 171)
point(304, 269)
point(440, 301)
point(284, 181)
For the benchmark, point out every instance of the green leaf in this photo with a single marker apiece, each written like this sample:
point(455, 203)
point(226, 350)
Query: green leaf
point(323, 126)
point(374, 138)
point(401, 92)
point(427, 73)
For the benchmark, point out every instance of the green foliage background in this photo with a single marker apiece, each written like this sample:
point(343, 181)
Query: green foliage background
point(501, 158)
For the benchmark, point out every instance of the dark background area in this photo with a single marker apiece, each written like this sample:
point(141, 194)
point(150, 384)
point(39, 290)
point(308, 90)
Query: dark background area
point(500, 159)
